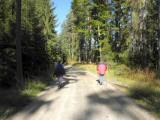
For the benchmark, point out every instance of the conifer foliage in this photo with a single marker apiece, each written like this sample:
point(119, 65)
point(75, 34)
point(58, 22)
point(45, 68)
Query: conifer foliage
point(124, 31)
point(37, 28)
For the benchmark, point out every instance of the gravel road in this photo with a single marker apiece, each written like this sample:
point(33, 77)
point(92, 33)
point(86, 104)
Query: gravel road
point(82, 99)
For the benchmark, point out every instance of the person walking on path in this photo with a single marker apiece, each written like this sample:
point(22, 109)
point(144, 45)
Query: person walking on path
point(101, 69)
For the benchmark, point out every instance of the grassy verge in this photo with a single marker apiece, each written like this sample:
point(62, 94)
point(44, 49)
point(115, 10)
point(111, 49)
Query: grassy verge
point(34, 88)
point(12, 100)
point(143, 86)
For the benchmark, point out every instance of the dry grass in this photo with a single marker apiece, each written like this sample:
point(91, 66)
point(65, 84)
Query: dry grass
point(124, 74)
point(89, 67)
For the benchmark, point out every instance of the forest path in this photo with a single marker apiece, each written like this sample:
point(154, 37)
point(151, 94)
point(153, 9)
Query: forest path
point(82, 99)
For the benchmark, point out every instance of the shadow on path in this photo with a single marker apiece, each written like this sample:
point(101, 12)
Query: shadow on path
point(36, 106)
point(117, 103)
point(71, 76)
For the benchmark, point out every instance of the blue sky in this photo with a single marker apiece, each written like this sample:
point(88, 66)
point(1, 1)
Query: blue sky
point(62, 9)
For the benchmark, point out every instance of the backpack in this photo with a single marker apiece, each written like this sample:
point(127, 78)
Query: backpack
point(59, 70)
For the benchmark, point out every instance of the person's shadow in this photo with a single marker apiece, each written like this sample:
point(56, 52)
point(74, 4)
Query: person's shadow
point(98, 81)
point(62, 85)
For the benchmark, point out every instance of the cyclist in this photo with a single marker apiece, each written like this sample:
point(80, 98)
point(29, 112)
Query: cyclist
point(59, 72)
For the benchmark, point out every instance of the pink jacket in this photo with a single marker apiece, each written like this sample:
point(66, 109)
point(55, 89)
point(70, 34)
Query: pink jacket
point(102, 68)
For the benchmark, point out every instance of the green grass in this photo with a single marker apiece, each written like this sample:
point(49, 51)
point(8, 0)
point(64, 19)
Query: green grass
point(143, 85)
point(12, 100)
point(147, 95)
point(33, 88)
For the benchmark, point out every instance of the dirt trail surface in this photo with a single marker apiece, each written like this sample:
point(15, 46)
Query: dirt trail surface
point(82, 99)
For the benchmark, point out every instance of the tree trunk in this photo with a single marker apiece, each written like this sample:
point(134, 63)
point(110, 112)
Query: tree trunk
point(159, 36)
point(79, 57)
point(89, 51)
point(86, 49)
point(18, 45)
point(144, 40)
point(100, 49)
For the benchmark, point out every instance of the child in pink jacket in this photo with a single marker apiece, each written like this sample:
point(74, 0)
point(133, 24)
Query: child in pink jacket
point(101, 69)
